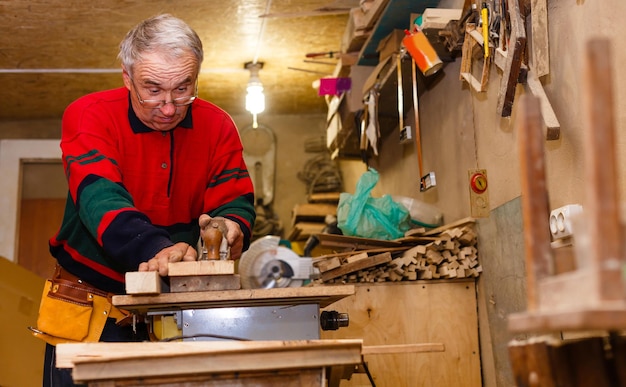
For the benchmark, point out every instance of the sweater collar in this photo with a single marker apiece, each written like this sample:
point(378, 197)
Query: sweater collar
point(139, 127)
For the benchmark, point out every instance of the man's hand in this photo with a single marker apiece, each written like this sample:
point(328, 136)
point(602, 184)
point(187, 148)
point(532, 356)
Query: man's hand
point(179, 252)
point(234, 235)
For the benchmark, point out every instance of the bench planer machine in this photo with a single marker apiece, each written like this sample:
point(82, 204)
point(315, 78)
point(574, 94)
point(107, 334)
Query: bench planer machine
point(207, 300)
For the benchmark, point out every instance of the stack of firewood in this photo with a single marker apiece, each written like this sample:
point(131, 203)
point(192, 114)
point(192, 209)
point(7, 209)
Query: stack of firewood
point(448, 254)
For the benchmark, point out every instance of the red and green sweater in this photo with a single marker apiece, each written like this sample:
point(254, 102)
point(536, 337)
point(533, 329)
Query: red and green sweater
point(134, 191)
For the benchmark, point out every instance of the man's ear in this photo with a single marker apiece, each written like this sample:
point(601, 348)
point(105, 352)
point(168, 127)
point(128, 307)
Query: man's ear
point(126, 78)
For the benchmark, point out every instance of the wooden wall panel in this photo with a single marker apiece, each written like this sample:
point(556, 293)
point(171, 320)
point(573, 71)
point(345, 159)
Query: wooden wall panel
point(413, 313)
point(38, 221)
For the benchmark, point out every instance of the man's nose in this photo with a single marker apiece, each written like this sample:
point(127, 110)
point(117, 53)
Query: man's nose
point(169, 109)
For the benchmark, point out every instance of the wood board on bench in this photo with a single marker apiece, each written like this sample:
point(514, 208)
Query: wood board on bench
point(323, 295)
point(106, 362)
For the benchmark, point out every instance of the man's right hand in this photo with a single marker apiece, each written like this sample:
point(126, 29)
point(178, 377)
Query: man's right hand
point(179, 252)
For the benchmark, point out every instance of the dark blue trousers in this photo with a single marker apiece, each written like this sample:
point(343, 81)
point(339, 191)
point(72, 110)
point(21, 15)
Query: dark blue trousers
point(62, 377)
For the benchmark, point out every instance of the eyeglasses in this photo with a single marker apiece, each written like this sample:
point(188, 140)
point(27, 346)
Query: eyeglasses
point(159, 103)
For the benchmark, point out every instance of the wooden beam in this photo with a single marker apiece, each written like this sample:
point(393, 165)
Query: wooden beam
point(356, 266)
point(540, 47)
point(535, 204)
point(552, 125)
point(601, 177)
point(510, 76)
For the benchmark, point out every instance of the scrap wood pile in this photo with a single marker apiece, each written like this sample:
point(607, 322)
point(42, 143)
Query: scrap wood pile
point(447, 252)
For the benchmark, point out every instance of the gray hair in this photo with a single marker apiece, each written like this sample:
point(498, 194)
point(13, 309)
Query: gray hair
point(159, 33)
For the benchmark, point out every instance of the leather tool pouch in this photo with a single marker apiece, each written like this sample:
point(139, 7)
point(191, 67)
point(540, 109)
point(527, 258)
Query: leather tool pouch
point(65, 310)
point(69, 313)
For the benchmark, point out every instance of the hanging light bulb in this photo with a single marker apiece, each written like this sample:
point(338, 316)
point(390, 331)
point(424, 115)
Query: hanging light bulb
point(255, 99)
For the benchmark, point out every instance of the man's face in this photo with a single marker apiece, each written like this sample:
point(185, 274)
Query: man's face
point(160, 78)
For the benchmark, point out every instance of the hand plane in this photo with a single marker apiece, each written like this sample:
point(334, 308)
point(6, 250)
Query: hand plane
point(214, 242)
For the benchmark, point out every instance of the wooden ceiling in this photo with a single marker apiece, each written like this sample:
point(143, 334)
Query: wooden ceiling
point(53, 51)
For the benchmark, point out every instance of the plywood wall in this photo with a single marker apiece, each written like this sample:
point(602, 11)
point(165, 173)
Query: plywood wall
point(415, 313)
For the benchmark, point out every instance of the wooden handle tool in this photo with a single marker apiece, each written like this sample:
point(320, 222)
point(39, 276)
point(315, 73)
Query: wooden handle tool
point(212, 239)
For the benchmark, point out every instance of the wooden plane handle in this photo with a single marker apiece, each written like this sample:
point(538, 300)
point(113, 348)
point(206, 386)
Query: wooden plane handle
point(212, 238)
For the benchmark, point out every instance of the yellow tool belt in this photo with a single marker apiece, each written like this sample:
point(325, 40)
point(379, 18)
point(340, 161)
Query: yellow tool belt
point(72, 311)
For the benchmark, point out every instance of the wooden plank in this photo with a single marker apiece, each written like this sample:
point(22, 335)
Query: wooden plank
point(406, 313)
point(324, 295)
point(458, 223)
point(206, 267)
point(369, 251)
point(356, 266)
point(513, 64)
point(203, 283)
point(535, 204)
point(312, 212)
point(105, 361)
point(283, 378)
point(354, 243)
point(324, 197)
point(356, 257)
point(601, 175)
point(327, 264)
point(540, 46)
point(403, 348)
point(597, 318)
point(551, 122)
point(143, 282)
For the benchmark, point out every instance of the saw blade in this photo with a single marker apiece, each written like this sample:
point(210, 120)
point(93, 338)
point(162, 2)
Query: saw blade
point(267, 265)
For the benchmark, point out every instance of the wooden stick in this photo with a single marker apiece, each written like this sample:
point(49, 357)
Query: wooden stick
point(402, 348)
point(348, 253)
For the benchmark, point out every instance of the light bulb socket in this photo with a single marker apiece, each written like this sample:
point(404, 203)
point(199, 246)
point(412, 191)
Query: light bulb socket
point(255, 99)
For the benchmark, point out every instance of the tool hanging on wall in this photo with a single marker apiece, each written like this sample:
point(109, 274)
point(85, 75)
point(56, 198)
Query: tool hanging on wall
point(405, 131)
point(426, 181)
point(370, 131)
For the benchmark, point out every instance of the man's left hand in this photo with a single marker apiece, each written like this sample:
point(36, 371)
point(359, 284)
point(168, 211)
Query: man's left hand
point(234, 236)
point(179, 252)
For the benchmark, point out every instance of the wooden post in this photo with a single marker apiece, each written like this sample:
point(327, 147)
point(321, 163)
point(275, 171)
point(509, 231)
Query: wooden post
point(535, 205)
point(602, 202)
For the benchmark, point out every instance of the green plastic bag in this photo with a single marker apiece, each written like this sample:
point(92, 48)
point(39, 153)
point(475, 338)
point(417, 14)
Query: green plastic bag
point(361, 215)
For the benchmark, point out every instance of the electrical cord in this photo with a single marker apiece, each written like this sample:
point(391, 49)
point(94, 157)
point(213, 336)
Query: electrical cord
point(320, 174)
point(208, 335)
point(266, 223)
